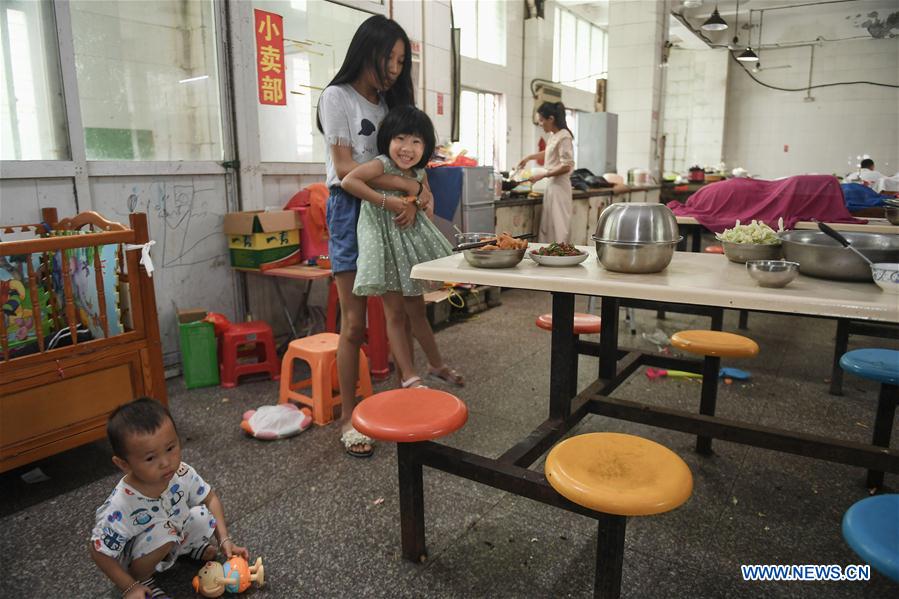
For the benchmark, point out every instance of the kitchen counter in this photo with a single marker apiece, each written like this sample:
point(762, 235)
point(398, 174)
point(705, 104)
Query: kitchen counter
point(521, 214)
point(704, 279)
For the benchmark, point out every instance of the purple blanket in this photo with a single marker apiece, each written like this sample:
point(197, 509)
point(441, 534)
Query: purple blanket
point(804, 197)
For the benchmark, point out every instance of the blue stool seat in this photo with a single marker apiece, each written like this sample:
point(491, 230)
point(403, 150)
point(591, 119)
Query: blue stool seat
point(871, 529)
point(876, 364)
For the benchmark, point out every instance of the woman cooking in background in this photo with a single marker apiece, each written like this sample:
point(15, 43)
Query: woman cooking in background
point(555, 223)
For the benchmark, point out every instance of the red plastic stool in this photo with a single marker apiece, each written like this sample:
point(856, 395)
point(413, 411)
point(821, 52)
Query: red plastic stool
point(375, 347)
point(584, 324)
point(240, 334)
point(411, 417)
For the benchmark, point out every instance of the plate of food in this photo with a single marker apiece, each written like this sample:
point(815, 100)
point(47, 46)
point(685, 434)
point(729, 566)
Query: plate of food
point(558, 254)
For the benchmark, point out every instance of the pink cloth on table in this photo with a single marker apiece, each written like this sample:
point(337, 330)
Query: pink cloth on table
point(801, 198)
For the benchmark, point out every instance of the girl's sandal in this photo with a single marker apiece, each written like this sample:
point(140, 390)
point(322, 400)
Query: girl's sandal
point(446, 374)
point(413, 382)
point(354, 439)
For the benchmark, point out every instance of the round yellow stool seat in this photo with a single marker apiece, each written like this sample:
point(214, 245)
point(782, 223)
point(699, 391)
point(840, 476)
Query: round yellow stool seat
point(618, 474)
point(715, 343)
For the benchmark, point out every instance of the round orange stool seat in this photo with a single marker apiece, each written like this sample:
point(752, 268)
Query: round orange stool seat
point(715, 343)
point(714, 249)
point(618, 474)
point(408, 415)
point(584, 324)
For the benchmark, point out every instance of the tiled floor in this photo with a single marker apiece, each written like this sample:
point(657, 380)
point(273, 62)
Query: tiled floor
point(327, 524)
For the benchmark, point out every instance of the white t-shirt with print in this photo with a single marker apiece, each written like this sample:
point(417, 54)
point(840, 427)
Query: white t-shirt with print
point(127, 513)
point(348, 119)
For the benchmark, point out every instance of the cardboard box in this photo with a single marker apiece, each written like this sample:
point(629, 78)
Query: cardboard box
point(259, 240)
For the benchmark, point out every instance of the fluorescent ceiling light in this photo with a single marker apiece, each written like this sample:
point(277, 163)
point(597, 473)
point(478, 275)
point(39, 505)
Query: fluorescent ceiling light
point(200, 78)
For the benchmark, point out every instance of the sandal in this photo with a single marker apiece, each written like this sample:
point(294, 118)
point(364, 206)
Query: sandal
point(413, 382)
point(352, 438)
point(446, 374)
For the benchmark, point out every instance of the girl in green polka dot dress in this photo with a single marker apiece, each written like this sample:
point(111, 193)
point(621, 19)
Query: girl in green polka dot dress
point(390, 244)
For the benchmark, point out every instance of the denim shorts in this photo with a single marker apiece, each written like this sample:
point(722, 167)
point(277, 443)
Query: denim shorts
point(342, 215)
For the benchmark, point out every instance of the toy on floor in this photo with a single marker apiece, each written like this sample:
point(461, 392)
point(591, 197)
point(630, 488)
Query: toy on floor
point(276, 422)
point(725, 373)
point(234, 576)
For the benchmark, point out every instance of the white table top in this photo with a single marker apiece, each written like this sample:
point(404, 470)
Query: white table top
point(691, 278)
point(874, 225)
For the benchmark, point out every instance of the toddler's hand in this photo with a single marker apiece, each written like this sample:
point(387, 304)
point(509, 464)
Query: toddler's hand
point(229, 549)
point(138, 592)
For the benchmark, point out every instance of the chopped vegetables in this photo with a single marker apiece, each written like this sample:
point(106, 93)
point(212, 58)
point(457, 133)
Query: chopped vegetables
point(756, 233)
point(558, 249)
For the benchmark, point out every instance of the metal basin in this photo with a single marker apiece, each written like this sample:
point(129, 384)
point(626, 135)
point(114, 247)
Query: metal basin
point(743, 252)
point(637, 222)
point(634, 257)
point(820, 256)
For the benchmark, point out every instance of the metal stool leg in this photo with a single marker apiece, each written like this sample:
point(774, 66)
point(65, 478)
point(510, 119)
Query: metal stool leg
point(631, 320)
point(412, 504)
point(609, 556)
point(839, 348)
point(710, 367)
point(883, 427)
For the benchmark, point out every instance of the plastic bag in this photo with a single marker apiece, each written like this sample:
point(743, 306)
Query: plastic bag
point(276, 422)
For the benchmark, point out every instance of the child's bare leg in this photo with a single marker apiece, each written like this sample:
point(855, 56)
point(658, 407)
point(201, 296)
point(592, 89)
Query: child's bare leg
point(395, 312)
point(421, 329)
point(352, 335)
point(145, 566)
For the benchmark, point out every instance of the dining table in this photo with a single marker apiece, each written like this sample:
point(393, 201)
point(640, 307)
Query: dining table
point(692, 280)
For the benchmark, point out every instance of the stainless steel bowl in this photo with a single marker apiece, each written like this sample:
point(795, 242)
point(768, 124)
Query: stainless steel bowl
point(494, 258)
point(892, 214)
point(820, 256)
point(488, 258)
point(637, 223)
point(743, 252)
point(635, 257)
point(772, 273)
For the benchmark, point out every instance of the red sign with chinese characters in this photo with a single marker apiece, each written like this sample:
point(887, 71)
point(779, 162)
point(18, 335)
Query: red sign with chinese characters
point(270, 57)
point(439, 103)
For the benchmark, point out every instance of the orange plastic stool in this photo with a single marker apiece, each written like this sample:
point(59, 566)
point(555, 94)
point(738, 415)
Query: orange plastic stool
point(714, 249)
point(376, 346)
point(584, 324)
point(412, 418)
point(410, 415)
point(617, 475)
point(320, 352)
point(234, 340)
point(713, 345)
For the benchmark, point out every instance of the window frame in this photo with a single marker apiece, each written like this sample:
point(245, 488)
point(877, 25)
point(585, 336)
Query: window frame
point(587, 82)
point(501, 22)
point(499, 125)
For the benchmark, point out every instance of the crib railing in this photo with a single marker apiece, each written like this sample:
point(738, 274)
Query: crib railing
point(65, 235)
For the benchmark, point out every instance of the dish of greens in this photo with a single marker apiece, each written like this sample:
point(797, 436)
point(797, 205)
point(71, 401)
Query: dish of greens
point(558, 249)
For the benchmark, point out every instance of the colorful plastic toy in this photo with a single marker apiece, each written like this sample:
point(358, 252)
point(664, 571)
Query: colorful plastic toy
point(234, 576)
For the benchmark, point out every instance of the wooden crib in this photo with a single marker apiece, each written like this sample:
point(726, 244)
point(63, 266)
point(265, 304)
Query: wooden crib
point(57, 399)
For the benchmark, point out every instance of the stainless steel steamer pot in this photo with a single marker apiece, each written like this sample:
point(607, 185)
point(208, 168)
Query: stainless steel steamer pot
point(636, 237)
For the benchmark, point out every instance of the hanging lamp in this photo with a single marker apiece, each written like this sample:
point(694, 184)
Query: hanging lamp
point(748, 56)
point(714, 22)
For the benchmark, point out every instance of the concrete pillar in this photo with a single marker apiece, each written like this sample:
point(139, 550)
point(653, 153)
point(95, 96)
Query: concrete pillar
point(638, 30)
